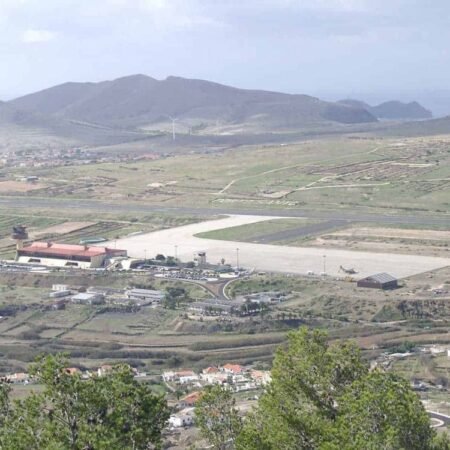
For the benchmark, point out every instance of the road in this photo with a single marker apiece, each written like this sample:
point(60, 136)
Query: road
point(25, 203)
point(442, 418)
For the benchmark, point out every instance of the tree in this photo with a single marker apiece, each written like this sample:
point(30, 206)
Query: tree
point(160, 257)
point(113, 411)
point(322, 396)
point(174, 296)
point(217, 417)
point(171, 261)
point(381, 411)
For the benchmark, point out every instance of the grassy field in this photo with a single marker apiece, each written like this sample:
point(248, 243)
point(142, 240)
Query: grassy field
point(251, 232)
point(108, 226)
point(396, 174)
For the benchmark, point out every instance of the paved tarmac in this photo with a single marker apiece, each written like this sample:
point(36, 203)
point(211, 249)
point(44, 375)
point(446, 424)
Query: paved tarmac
point(109, 206)
point(181, 242)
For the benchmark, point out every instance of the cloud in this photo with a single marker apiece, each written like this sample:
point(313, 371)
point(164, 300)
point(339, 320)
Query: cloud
point(37, 36)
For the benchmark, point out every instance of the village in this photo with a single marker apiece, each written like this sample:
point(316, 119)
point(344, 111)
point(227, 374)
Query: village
point(183, 387)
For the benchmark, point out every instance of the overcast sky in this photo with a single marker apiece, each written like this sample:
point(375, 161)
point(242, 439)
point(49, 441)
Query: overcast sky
point(320, 47)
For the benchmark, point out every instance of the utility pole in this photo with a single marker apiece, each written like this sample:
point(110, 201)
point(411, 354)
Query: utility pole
point(237, 258)
point(324, 264)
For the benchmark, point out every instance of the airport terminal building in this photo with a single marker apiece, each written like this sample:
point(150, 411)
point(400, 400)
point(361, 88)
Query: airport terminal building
point(68, 255)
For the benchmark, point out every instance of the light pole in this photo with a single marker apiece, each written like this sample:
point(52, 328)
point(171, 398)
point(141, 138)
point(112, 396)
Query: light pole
point(324, 264)
point(176, 252)
point(145, 255)
point(237, 258)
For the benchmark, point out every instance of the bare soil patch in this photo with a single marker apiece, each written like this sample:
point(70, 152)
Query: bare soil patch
point(392, 240)
point(394, 233)
point(19, 186)
point(63, 228)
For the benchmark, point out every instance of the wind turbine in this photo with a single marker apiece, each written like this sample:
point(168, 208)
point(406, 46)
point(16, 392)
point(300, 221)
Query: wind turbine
point(173, 125)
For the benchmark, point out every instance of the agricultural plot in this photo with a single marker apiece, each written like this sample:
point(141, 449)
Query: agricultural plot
point(19, 187)
point(382, 239)
point(73, 226)
point(334, 172)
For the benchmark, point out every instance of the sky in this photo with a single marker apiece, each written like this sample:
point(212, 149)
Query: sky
point(370, 49)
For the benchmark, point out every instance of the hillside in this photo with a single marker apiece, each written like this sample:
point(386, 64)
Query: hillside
point(138, 100)
point(392, 110)
point(432, 127)
point(399, 110)
point(16, 124)
point(9, 115)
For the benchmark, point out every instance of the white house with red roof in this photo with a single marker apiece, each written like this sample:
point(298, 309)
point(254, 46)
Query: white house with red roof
point(181, 376)
point(232, 369)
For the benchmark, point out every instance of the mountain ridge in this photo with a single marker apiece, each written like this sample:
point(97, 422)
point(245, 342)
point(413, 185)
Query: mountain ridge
point(392, 109)
point(138, 100)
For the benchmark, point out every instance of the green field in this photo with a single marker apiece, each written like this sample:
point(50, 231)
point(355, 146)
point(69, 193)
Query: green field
point(109, 226)
point(251, 232)
point(341, 172)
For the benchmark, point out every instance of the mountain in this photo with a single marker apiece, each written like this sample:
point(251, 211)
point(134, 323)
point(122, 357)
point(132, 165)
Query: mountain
point(392, 110)
point(138, 101)
point(54, 99)
point(399, 110)
point(33, 123)
point(9, 115)
point(356, 104)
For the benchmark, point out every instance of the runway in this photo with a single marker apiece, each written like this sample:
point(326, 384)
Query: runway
point(180, 241)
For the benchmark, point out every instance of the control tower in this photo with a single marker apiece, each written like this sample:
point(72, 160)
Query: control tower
point(19, 234)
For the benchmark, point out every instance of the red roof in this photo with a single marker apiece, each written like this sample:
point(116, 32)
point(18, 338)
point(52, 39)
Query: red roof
point(192, 399)
point(185, 373)
point(235, 368)
point(51, 248)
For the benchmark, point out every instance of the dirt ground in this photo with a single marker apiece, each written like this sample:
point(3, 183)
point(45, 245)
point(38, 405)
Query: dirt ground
point(392, 240)
point(63, 228)
point(19, 186)
point(394, 233)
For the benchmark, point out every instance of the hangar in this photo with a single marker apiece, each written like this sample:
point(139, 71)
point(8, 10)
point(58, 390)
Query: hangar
point(379, 281)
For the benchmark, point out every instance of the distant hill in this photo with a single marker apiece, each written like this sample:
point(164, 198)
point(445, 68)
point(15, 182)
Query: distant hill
point(418, 128)
point(399, 110)
point(392, 110)
point(25, 121)
point(138, 101)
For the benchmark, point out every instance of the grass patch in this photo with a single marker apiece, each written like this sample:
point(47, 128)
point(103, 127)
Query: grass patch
point(252, 232)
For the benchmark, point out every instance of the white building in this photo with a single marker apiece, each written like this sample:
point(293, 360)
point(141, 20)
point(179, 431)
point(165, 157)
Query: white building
point(88, 299)
point(145, 295)
point(182, 376)
point(184, 418)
